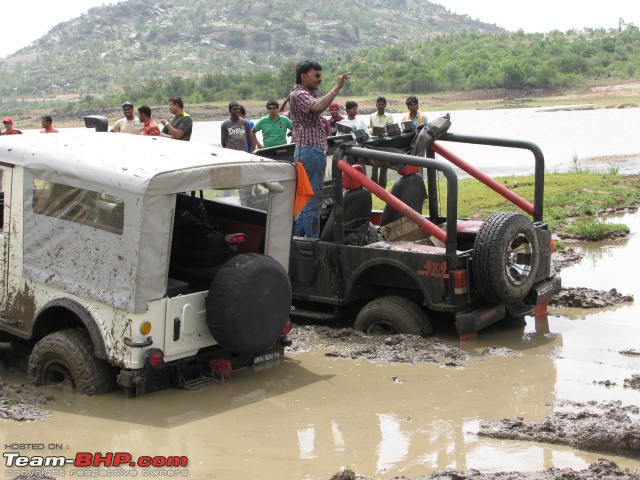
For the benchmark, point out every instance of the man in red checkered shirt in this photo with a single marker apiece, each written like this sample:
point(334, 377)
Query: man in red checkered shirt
point(310, 137)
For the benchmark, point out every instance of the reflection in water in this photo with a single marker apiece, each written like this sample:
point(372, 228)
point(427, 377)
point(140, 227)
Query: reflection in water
point(306, 442)
point(394, 444)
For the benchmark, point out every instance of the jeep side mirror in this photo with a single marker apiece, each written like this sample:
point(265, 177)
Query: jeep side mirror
point(100, 123)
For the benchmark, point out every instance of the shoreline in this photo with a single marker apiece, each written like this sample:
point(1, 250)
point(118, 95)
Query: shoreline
point(619, 95)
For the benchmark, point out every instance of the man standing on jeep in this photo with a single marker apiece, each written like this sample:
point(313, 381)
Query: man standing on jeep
point(310, 138)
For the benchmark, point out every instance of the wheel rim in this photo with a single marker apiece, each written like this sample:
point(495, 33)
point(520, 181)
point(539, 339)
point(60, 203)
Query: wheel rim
point(519, 259)
point(382, 328)
point(55, 373)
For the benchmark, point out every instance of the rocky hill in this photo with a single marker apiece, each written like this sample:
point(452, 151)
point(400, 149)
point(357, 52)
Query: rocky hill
point(134, 41)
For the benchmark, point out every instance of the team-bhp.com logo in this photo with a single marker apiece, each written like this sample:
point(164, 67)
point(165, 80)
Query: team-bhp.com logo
point(98, 459)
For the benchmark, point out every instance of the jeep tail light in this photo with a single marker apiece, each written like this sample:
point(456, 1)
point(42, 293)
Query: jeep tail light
point(552, 245)
point(286, 328)
point(154, 358)
point(235, 238)
point(460, 282)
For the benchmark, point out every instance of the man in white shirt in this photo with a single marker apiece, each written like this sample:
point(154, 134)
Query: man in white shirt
point(130, 123)
point(351, 108)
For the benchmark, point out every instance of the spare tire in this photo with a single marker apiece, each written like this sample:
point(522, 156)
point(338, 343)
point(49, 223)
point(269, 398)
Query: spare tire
point(248, 303)
point(505, 258)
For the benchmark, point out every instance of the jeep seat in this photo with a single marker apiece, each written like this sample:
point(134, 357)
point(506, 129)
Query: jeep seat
point(357, 204)
point(409, 188)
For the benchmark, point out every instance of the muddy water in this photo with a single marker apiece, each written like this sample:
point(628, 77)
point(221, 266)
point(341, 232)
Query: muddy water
point(312, 414)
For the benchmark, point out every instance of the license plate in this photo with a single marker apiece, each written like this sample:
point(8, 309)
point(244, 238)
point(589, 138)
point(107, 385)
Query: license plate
point(268, 357)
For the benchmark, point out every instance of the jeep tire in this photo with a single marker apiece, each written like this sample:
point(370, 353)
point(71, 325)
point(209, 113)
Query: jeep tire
point(66, 358)
point(505, 258)
point(248, 303)
point(392, 315)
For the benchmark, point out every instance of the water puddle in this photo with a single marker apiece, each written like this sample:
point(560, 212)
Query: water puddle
point(312, 414)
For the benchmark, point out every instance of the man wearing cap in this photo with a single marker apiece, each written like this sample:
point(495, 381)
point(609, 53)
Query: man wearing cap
point(334, 110)
point(8, 127)
point(130, 123)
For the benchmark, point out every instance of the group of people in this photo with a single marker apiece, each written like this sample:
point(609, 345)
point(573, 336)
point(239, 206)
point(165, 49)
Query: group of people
point(179, 126)
point(310, 132)
point(46, 122)
point(309, 128)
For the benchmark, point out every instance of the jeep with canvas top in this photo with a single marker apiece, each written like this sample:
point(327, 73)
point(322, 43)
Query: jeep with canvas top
point(395, 271)
point(131, 260)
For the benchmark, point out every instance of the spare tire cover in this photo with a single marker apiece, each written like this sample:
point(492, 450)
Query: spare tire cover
point(248, 303)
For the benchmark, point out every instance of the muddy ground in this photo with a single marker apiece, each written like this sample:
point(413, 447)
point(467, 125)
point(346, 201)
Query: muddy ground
point(602, 469)
point(606, 427)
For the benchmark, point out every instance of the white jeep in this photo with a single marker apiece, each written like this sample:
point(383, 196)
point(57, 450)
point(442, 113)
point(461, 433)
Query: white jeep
point(115, 272)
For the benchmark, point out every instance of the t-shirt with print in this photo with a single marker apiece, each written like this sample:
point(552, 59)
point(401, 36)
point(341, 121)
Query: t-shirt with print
point(235, 135)
point(123, 125)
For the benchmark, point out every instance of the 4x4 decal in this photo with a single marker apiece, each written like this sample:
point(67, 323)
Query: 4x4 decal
point(434, 269)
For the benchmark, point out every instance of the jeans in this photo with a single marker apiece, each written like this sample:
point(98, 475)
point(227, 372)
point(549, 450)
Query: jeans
point(314, 160)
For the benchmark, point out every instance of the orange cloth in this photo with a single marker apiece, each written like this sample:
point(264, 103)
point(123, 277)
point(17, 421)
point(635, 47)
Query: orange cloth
point(304, 191)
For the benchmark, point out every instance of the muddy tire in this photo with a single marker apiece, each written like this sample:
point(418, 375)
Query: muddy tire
point(392, 315)
point(505, 258)
point(248, 303)
point(66, 358)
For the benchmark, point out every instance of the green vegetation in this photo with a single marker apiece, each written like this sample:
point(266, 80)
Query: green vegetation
point(211, 52)
point(459, 61)
point(572, 201)
point(595, 229)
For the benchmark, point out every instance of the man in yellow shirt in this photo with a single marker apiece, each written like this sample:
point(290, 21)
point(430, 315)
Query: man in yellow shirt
point(415, 115)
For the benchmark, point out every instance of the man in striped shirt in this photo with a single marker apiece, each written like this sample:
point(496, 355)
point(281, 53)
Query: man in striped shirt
point(310, 137)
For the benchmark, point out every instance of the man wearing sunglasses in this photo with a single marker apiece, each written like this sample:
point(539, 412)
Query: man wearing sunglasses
point(274, 128)
point(8, 127)
point(310, 137)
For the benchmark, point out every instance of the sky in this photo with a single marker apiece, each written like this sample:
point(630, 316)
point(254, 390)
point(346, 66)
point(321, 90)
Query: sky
point(25, 21)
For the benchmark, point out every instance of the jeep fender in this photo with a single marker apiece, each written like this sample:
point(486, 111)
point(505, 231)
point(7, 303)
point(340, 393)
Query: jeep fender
point(363, 275)
point(85, 317)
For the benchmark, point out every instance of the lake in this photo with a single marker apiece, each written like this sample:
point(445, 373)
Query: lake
point(562, 135)
point(594, 137)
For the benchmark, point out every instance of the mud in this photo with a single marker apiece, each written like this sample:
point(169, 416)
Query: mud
point(580, 297)
point(607, 427)
point(633, 382)
point(22, 403)
point(348, 343)
point(601, 469)
point(565, 258)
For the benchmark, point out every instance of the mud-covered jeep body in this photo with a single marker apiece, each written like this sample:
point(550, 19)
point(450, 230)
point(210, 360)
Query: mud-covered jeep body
point(111, 269)
point(397, 277)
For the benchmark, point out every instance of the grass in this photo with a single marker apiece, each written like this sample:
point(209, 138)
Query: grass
point(573, 201)
point(595, 229)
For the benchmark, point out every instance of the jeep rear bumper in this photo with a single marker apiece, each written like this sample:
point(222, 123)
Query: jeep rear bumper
point(469, 322)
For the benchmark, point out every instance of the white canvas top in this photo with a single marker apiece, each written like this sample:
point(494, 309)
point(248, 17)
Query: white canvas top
point(135, 163)
point(130, 269)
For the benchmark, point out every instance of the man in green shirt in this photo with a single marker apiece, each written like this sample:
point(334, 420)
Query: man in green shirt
point(273, 126)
